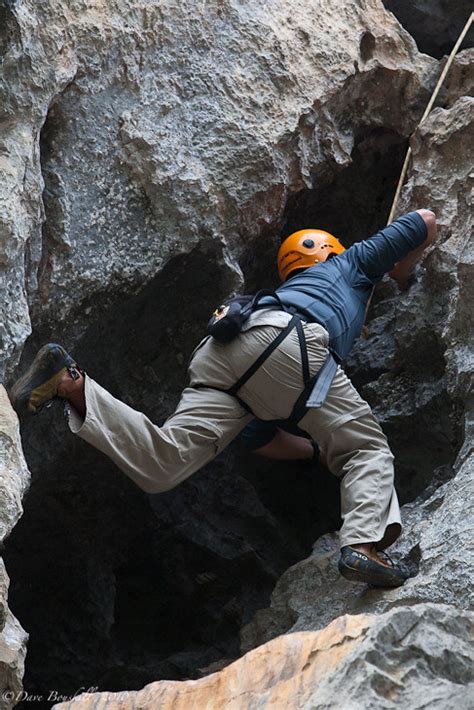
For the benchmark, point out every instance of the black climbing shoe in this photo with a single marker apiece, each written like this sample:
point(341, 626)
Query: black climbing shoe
point(357, 567)
point(39, 385)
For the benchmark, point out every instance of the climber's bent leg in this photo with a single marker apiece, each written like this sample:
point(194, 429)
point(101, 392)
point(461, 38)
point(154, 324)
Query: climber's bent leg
point(158, 458)
point(358, 453)
point(206, 420)
point(344, 427)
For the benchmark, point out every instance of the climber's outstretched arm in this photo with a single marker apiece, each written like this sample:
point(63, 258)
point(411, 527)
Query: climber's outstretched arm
point(403, 270)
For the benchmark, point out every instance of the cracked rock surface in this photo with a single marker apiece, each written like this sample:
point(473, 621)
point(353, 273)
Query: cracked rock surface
point(376, 661)
point(134, 131)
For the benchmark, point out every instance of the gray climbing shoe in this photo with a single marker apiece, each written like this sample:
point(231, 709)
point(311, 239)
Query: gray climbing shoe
point(39, 385)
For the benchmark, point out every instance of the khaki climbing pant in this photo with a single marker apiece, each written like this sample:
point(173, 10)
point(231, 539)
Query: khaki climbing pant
point(207, 420)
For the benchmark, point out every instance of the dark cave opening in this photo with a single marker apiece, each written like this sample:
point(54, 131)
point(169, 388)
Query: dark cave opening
point(435, 25)
point(356, 202)
point(136, 588)
point(352, 204)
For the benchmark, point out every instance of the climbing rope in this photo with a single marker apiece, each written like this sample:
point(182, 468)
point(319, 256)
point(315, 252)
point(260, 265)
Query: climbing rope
point(428, 108)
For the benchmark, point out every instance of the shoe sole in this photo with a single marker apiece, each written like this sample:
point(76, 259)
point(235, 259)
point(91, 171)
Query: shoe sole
point(32, 384)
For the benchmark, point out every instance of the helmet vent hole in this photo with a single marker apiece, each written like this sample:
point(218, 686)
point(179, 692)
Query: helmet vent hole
point(308, 243)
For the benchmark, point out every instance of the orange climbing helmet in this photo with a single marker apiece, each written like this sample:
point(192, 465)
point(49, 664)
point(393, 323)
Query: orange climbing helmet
point(306, 248)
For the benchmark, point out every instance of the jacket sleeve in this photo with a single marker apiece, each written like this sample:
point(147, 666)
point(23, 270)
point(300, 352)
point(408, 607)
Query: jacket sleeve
point(378, 255)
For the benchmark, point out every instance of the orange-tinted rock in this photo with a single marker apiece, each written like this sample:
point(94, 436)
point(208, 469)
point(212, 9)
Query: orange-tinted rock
point(281, 674)
point(413, 657)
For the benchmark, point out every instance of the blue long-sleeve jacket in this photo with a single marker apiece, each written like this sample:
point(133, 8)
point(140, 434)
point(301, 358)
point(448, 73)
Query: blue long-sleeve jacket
point(335, 292)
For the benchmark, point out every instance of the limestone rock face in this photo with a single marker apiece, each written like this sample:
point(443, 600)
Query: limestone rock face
point(132, 132)
point(13, 639)
point(460, 79)
point(14, 478)
point(356, 661)
point(14, 475)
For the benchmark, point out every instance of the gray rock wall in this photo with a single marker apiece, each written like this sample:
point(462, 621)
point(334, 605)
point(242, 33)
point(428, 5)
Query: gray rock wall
point(133, 132)
point(365, 661)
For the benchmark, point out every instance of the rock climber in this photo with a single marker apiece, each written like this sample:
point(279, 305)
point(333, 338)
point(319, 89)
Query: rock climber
point(309, 325)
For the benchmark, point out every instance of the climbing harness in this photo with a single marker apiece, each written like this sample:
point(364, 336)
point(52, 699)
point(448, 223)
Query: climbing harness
point(315, 387)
